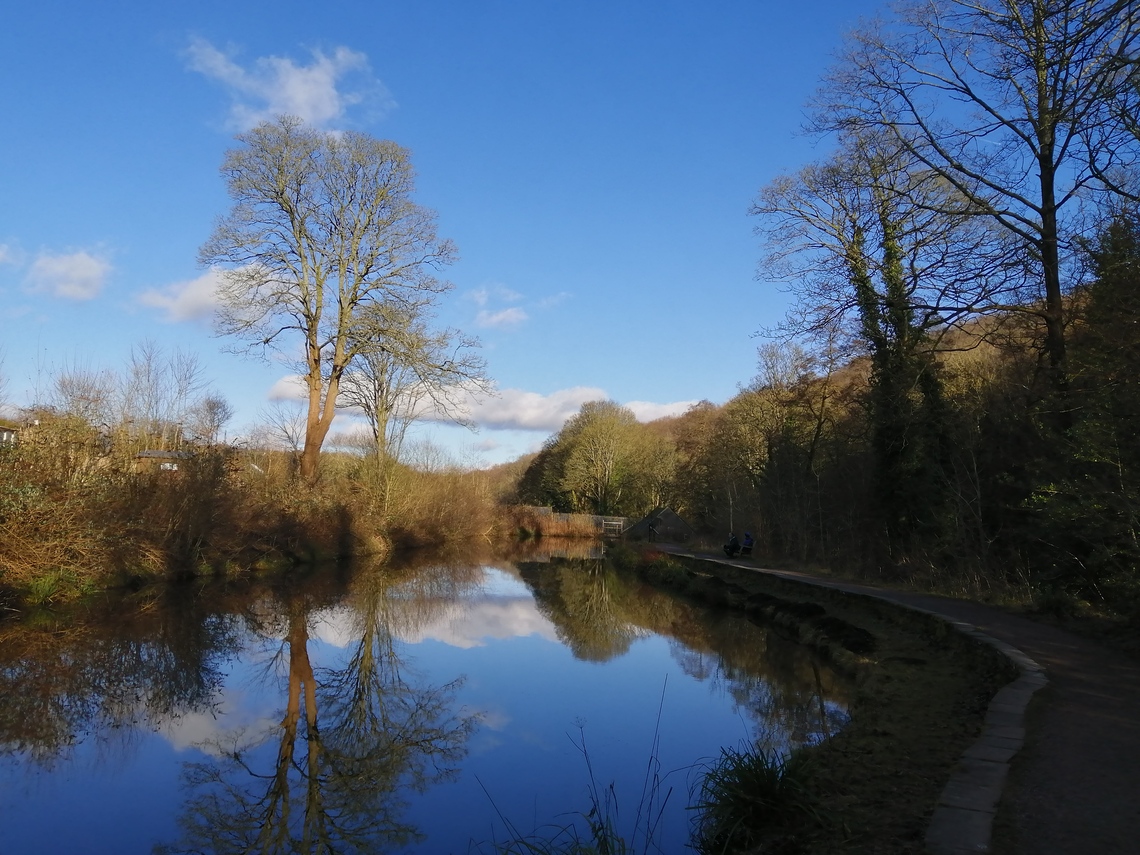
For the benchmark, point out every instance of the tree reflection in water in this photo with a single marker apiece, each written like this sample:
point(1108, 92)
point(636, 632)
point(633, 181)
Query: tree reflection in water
point(355, 741)
point(62, 680)
point(599, 612)
point(352, 735)
point(579, 597)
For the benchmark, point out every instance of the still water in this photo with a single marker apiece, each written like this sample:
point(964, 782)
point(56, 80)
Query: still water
point(443, 708)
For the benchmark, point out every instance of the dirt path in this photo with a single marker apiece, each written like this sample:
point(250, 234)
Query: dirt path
point(1074, 789)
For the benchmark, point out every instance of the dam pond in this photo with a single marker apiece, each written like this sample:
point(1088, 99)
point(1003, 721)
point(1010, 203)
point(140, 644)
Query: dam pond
point(432, 706)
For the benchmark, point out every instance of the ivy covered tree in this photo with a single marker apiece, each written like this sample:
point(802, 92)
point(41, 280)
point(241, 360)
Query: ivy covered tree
point(1025, 107)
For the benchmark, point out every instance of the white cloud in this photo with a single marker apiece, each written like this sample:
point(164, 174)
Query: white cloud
point(318, 93)
point(488, 298)
point(494, 719)
point(482, 296)
point(210, 731)
point(7, 254)
point(192, 300)
point(474, 621)
point(74, 276)
point(511, 317)
point(646, 411)
point(468, 623)
point(516, 409)
point(289, 388)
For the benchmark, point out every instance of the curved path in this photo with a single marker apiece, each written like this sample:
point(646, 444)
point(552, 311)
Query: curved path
point(1074, 789)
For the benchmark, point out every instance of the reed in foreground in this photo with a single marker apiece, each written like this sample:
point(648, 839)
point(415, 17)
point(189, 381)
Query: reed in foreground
point(755, 800)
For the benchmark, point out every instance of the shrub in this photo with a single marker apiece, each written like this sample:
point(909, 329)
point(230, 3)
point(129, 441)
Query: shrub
point(755, 800)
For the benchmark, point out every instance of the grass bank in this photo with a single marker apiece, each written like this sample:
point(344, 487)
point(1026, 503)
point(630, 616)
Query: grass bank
point(921, 693)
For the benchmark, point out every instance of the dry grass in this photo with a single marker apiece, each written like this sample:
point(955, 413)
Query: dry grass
point(76, 516)
point(542, 522)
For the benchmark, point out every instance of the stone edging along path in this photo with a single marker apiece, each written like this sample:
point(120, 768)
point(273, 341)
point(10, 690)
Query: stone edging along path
point(963, 818)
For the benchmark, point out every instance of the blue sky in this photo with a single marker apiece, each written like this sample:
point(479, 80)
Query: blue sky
point(593, 162)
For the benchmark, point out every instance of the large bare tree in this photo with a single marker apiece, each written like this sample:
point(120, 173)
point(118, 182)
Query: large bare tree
point(322, 229)
point(1022, 106)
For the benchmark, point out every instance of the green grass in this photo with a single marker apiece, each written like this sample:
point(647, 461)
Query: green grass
point(756, 800)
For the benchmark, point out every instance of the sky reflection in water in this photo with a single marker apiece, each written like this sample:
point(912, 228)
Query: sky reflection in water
point(411, 710)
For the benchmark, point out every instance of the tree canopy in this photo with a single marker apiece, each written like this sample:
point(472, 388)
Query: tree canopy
point(1021, 106)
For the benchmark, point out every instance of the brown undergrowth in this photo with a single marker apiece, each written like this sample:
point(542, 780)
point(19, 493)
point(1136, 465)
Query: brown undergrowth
point(527, 522)
point(76, 517)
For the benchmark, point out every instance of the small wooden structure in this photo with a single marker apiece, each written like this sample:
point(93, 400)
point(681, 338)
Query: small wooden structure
point(663, 524)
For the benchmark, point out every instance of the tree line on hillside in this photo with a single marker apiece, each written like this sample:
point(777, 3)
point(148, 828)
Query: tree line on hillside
point(953, 391)
point(947, 466)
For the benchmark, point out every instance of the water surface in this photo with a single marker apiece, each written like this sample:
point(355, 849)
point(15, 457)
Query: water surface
point(429, 709)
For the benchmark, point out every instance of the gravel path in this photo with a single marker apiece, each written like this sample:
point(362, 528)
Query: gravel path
point(1074, 789)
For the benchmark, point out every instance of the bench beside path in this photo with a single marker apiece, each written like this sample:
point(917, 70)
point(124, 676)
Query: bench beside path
point(1058, 762)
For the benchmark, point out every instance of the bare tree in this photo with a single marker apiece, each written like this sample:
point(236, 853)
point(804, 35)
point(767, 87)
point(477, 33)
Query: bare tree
point(209, 416)
point(86, 392)
point(816, 224)
point(405, 371)
point(1022, 106)
point(158, 391)
point(285, 422)
point(323, 227)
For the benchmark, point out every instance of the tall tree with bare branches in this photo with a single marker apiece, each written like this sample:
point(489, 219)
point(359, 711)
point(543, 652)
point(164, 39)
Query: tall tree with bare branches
point(1023, 106)
point(323, 228)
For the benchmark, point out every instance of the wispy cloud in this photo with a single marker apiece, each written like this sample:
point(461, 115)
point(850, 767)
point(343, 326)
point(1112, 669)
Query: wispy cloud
point(504, 318)
point(73, 276)
point(500, 293)
point(492, 314)
point(191, 300)
point(320, 92)
point(516, 409)
point(553, 300)
point(7, 254)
